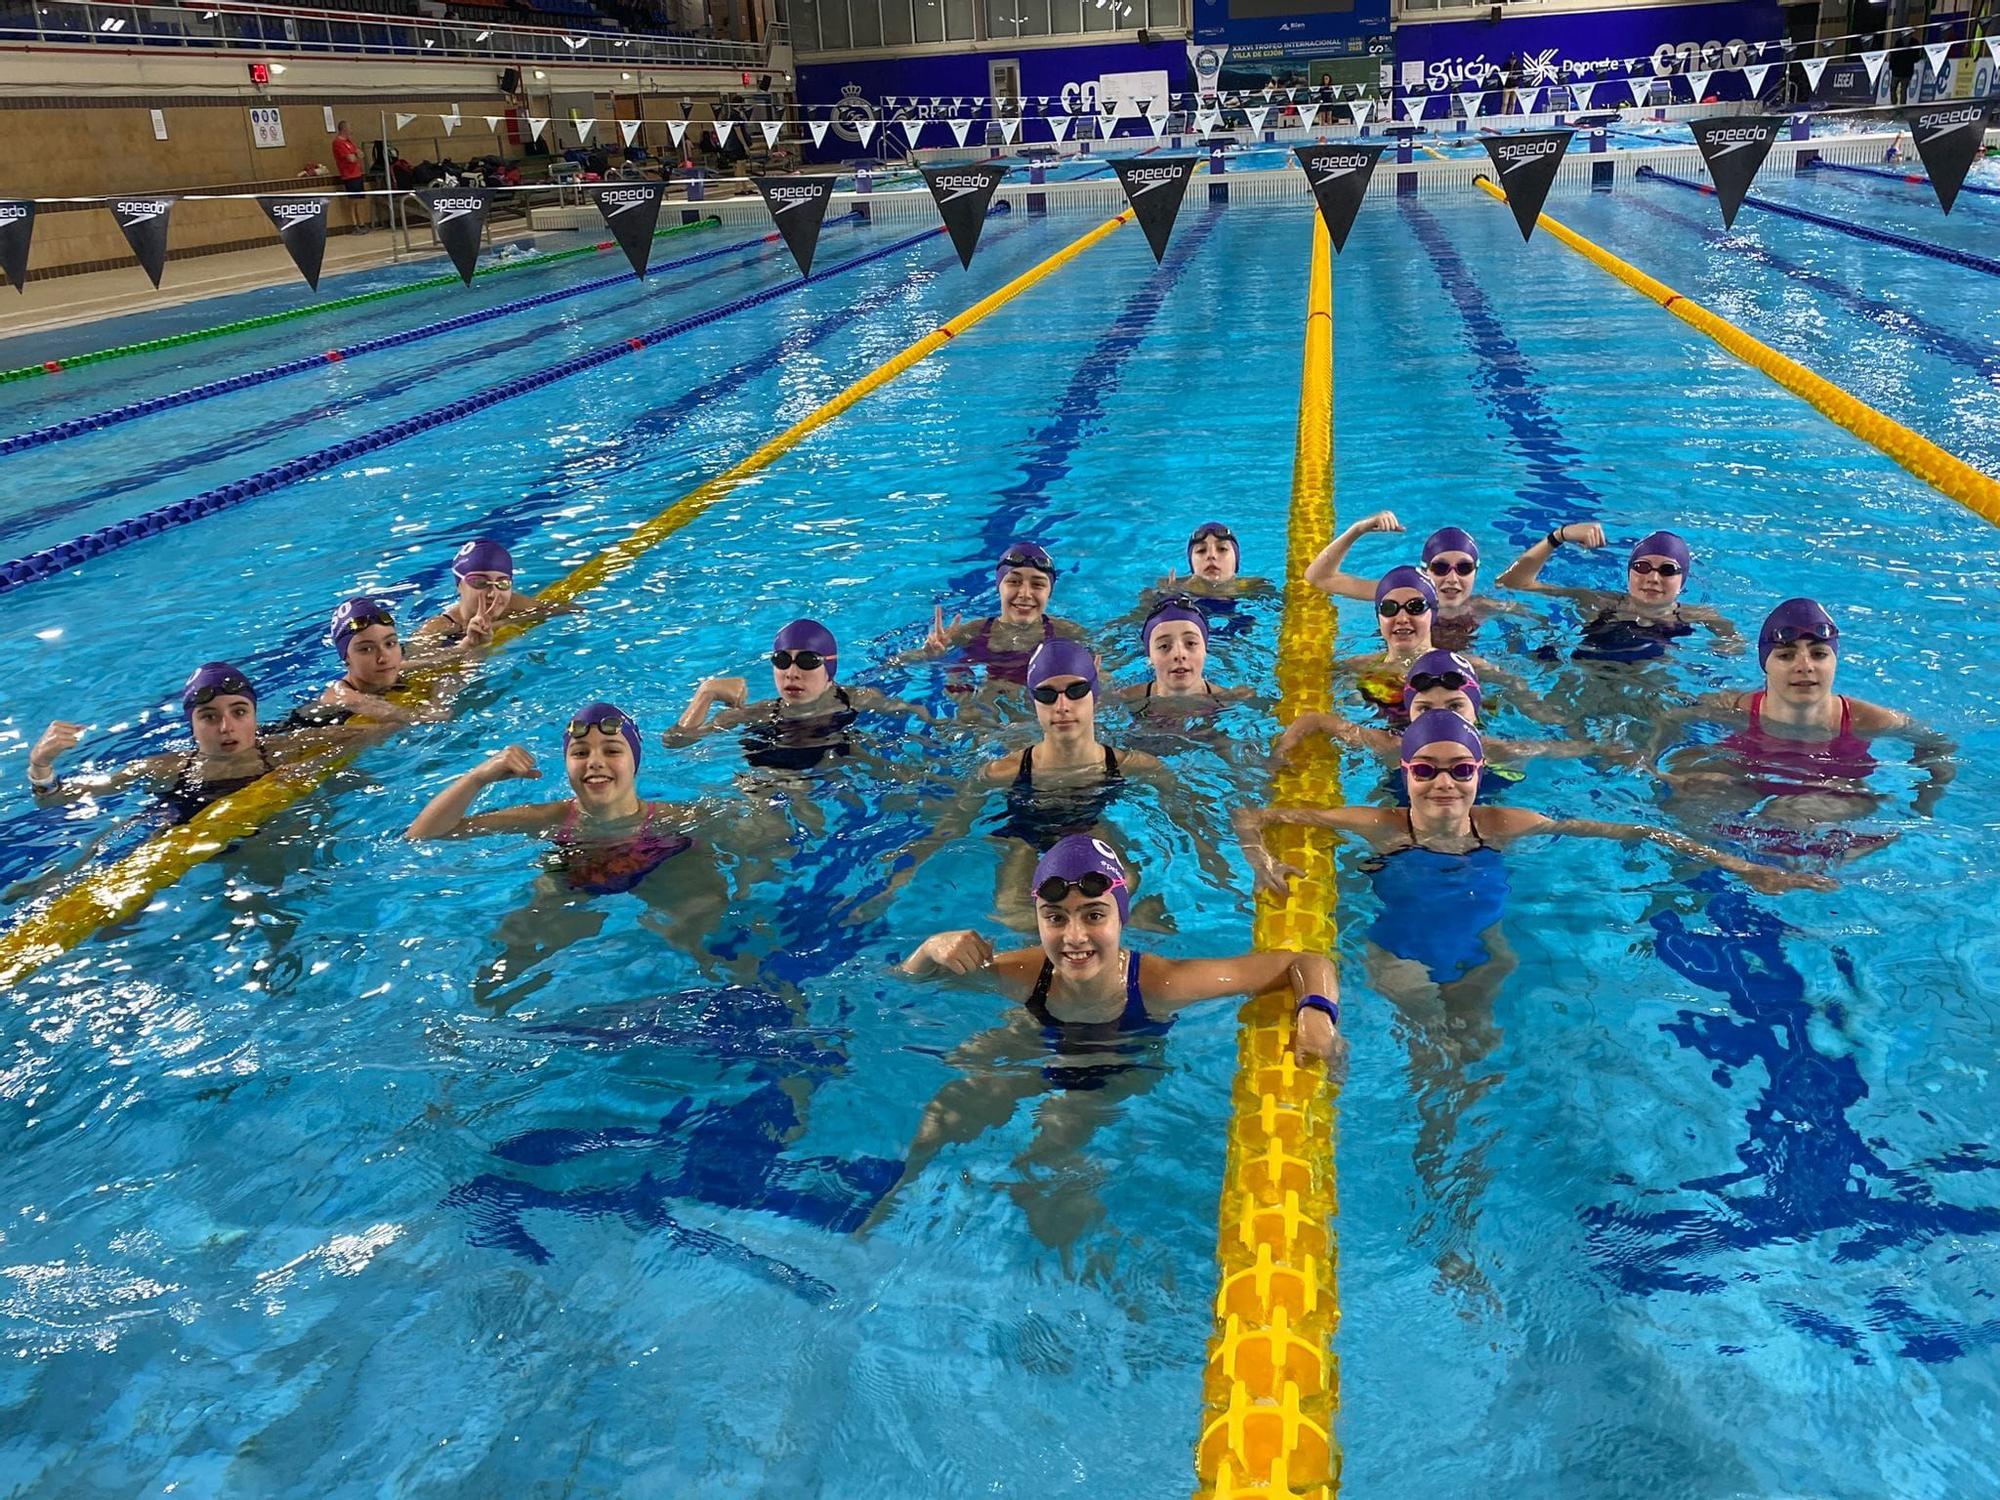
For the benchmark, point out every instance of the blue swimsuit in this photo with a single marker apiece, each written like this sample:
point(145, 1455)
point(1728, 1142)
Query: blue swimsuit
point(1045, 818)
point(1088, 1038)
point(1437, 907)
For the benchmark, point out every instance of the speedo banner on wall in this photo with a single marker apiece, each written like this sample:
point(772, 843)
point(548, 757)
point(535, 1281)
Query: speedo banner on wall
point(17, 227)
point(1270, 30)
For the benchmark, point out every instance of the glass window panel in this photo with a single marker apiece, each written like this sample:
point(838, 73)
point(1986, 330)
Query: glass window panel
point(1003, 18)
point(1097, 15)
point(930, 20)
point(1165, 14)
point(805, 25)
point(832, 25)
point(896, 22)
point(958, 20)
point(864, 20)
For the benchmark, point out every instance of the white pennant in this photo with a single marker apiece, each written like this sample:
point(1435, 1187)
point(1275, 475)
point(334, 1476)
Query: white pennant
point(402, 120)
point(1698, 82)
point(493, 122)
point(1257, 116)
point(1308, 114)
point(1470, 104)
point(583, 130)
point(630, 130)
point(770, 129)
point(1814, 68)
point(1359, 109)
point(1642, 89)
point(1937, 52)
point(1755, 78)
point(536, 127)
point(1204, 121)
point(1157, 122)
point(677, 131)
point(724, 127)
point(866, 130)
point(1291, 96)
point(818, 129)
point(1058, 127)
point(1528, 100)
point(450, 123)
point(1872, 61)
point(1993, 46)
point(1009, 124)
point(1413, 109)
point(958, 129)
point(1582, 92)
point(912, 128)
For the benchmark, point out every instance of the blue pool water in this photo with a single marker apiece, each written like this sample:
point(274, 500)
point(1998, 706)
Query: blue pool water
point(307, 1198)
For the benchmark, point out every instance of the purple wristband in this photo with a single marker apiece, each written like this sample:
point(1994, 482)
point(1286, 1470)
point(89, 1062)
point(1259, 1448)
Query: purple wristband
point(1329, 1008)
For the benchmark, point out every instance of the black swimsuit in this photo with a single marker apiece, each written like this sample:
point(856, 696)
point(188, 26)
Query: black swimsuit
point(189, 793)
point(318, 714)
point(800, 744)
point(1045, 818)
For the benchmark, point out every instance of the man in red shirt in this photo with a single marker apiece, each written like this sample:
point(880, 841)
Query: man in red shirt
point(347, 165)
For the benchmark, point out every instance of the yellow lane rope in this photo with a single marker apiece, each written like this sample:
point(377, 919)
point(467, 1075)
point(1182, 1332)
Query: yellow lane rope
point(1273, 1384)
point(1944, 472)
point(112, 894)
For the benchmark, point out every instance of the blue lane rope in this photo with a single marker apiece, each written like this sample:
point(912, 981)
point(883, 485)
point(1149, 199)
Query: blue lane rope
point(55, 432)
point(52, 560)
point(1889, 174)
point(1963, 258)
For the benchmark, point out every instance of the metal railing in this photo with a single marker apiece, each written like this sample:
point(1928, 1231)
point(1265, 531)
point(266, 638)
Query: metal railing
point(285, 31)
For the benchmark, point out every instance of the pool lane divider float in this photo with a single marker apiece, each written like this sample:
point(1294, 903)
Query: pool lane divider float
point(315, 309)
point(1945, 472)
point(1886, 174)
point(50, 561)
point(1964, 258)
point(55, 432)
point(124, 888)
point(1272, 1385)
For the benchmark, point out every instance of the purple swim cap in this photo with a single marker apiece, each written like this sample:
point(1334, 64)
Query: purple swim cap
point(1179, 607)
point(603, 713)
point(1079, 855)
point(1439, 664)
point(1214, 528)
point(1663, 544)
point(355, 615)
point(1024, 555)
point(809, 635)
point(214, 679)
point(1406, 578)
point(1450, 539)
point(1062, 658)
point(1441, 727)
point(482, 556)
point(1796, 620)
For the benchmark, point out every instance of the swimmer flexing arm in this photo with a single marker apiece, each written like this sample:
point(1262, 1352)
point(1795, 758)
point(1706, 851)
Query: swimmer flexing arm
point(484, 572)
point(804, 660)
point(1652, 591)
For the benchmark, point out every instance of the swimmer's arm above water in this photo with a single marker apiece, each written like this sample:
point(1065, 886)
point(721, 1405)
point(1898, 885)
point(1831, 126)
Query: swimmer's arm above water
point(59, 739)
point(694, 721)
point(1270, 873)
point(1524, 573)
point(1334, 727)
point(444, 816)
point(1516, 823)
point(1171, 985)
point(942, 638)
point(1327, 571)
point(965, 955)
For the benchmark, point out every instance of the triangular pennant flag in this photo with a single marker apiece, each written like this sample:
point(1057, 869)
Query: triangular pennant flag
point(1734, 146)
point(1058, 127)
point(1993, 48)
point(1359, 109)
point(301, 224)
point(1308, 113)
point(1528, 101)
point(1527, 165)
point(458, 215)
point(866, 130)
point(144, 221)
point(958, 129)
point(912, 128)
point(1258, 116)
point(818, 129)
point(722, 130)
point(583, 130)
point(1937, 52)
point(1581, 92)
point(1009, 127)
point(1948, 137)
point(1814, 67)
point(631, 212)
point(629, 131)
point(1873, 61)
point(1470, 104)
point(1413, 109)
point(1755, 77)
point(17, 228)
point(963, 195)
point(771, 128)
point(798, 204)
point(536, 127)
point(1291, 96)
point(1641, 86)
point(1155, 186)
point(1110, 108)
point(1157, 123)
point(1698, 84)
point(450, 123)
point(1339, 176)
point(493, 121)
point(402, 120)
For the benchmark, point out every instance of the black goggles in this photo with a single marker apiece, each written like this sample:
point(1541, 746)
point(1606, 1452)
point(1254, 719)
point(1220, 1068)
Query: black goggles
point(1388, 609)
point(229, 687)
point(355, 624)
point(1175, 601)
point(1442, 569)
point(1039, 560)
point(1792, 635)
point(1091, 884)
point(805, 661)
point(1221, 533)
point(1423, 682)
point(612, 727)
point(1076, 690)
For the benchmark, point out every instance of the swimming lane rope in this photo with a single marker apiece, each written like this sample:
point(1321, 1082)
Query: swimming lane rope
point(1945, 472)
point(112, 893)
point(1272, 1384)
point(1887, 174)
point(315, 309)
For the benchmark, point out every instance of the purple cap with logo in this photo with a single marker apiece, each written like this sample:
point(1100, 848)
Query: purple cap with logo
point(1062, 658)
point(214, 679)
point(1441, 727)
point(609, 714)
point(1214, 528)
point(356, 615)
point(482, 556)
point(1796, 620)
point(1405, 578)
point(1663, 544)
point(809, 635)
point(1080, 855)
point(1450, 539)
point(1179, 609)
point(1438, 664)
point(1024, 555)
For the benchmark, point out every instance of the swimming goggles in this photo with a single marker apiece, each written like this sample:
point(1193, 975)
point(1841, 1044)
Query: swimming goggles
point(1077, 690)
point(355, 623)
point(229, 687)
point(1388, 609)
point(1175, 601)
point(1442, 569)
point(1029, 557)
point(806, 661)
point(1090, 884)
point(612, 727)
point(1423, 682)
point(1214, 529)
point(1791, 635)
point(1665, 569)
point(1461, 770)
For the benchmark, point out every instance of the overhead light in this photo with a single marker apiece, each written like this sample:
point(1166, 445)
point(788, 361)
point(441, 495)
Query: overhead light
point(482, 36)
point(277, 68)
point(112, 23)
point(430, 41)
point(540, 74)
point(626, 76)
point(208, 15)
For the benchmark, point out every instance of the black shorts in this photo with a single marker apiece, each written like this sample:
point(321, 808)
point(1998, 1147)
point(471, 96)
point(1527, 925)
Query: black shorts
point(355, 184)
